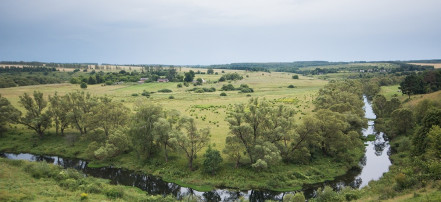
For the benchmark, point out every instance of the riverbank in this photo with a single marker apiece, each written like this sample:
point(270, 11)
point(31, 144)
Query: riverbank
point(27, 181)
point(288, 177)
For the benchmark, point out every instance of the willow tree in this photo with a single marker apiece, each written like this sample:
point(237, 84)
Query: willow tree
point(36, 117)
point(190, 140)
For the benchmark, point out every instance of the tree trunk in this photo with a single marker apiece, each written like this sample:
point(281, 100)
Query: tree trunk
point(165, 152)
point(190, 163)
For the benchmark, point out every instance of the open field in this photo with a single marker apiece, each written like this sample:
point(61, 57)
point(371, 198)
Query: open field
point(209, 109)
point(436, 65)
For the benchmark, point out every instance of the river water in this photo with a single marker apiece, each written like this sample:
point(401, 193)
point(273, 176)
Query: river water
point(373, 165)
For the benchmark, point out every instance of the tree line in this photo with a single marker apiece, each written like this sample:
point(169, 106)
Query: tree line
point(421, 83)
point(416, 135)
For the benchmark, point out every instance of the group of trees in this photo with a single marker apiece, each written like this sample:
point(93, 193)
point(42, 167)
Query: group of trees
point(267, 134)
point(230, 77)
point(111, 77)
point(110, 126)
point(425, 82)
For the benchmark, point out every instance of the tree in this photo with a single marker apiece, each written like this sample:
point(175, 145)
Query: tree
point(233, 149)
point(83, 85)
point(401, 121)
point(295, 76)
point(192, 140)
point(210, 71)
point(81, 105)
point(189, 76)
point(109, 115)
point(410, 85)
point(8, 113)
point(36, 117)
point(212, 160)
point(59, 108)
point(164, 129)
point(434, 143)
point(142, 129)
point(116, 143)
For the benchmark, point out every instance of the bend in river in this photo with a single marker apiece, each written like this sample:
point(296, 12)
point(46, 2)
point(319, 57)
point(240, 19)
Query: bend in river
point(374, 164)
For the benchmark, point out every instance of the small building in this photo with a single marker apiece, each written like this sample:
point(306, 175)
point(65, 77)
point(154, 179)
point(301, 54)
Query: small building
point(143, 79)
point(140, 82)
point(163, 80)
point(119, 82)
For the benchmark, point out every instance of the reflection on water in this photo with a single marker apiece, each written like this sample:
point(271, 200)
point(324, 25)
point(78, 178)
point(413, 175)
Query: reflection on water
point(373, 165)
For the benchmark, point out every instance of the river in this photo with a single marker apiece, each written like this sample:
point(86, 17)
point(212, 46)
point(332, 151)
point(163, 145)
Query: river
point(373, 165)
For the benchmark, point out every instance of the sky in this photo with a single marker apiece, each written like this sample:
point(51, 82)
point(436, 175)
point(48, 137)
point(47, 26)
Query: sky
point(192, 32)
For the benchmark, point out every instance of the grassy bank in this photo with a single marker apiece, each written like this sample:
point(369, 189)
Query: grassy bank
point(28, 181)
point(284, 177)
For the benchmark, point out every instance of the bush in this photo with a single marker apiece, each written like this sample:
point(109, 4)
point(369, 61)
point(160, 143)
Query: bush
point(134, 94)
point(145, 93)
point(295, 77)
point(165, 90)
point(223, 94)
point(114, 192)
point(83, 85)
point(41, 169)
point(297, 197)
point(179, 85)
point(228, 87)
point(212, 161)
point(291, 86)
point(327, 194)
point(171, 97)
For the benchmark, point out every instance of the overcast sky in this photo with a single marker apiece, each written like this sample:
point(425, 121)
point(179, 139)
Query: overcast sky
point(218, 31)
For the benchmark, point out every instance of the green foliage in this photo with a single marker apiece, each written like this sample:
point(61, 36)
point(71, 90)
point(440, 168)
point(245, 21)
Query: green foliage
point(145, 93)
point(7, 114)
point(41, 170)
point(212, 161)
point(83, 85)
point(223, 94)
point(297, 197)
point(114, 192)
point(36, 118)
point(116, 143)
point(291, 86)
point(231, 76)
point(171, 97)
point(210, 71)
point(190, 140)
point(295, 76)
point(189, 76)
point(142, 128)
point(179, 85)
point(165, 91)
point(401, 122)
point(328, 195)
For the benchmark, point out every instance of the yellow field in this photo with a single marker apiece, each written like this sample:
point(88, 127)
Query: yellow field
point(436, 65)
point(209, 109)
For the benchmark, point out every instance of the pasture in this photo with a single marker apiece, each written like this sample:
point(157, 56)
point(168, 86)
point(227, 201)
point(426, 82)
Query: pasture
point(209, 108)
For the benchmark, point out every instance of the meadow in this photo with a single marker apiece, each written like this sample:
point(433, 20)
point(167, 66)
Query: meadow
point(209, 108)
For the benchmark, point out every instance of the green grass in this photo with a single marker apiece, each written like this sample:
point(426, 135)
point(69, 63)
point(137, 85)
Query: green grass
point(19, 182)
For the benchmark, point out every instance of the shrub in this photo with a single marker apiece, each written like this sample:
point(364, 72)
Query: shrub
point(223, 94)
point(212, 161)
point(83, 85)
point(40, 170)
point(297, 197)
point(295, 77)
point(165, 90)
point(179, 85)
point(83, 196)
point(291, 86)
point(134, 94)
point(145, 93)
point(228, 87)
point(171, 97)
point(327, 194)
point(114, 192)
